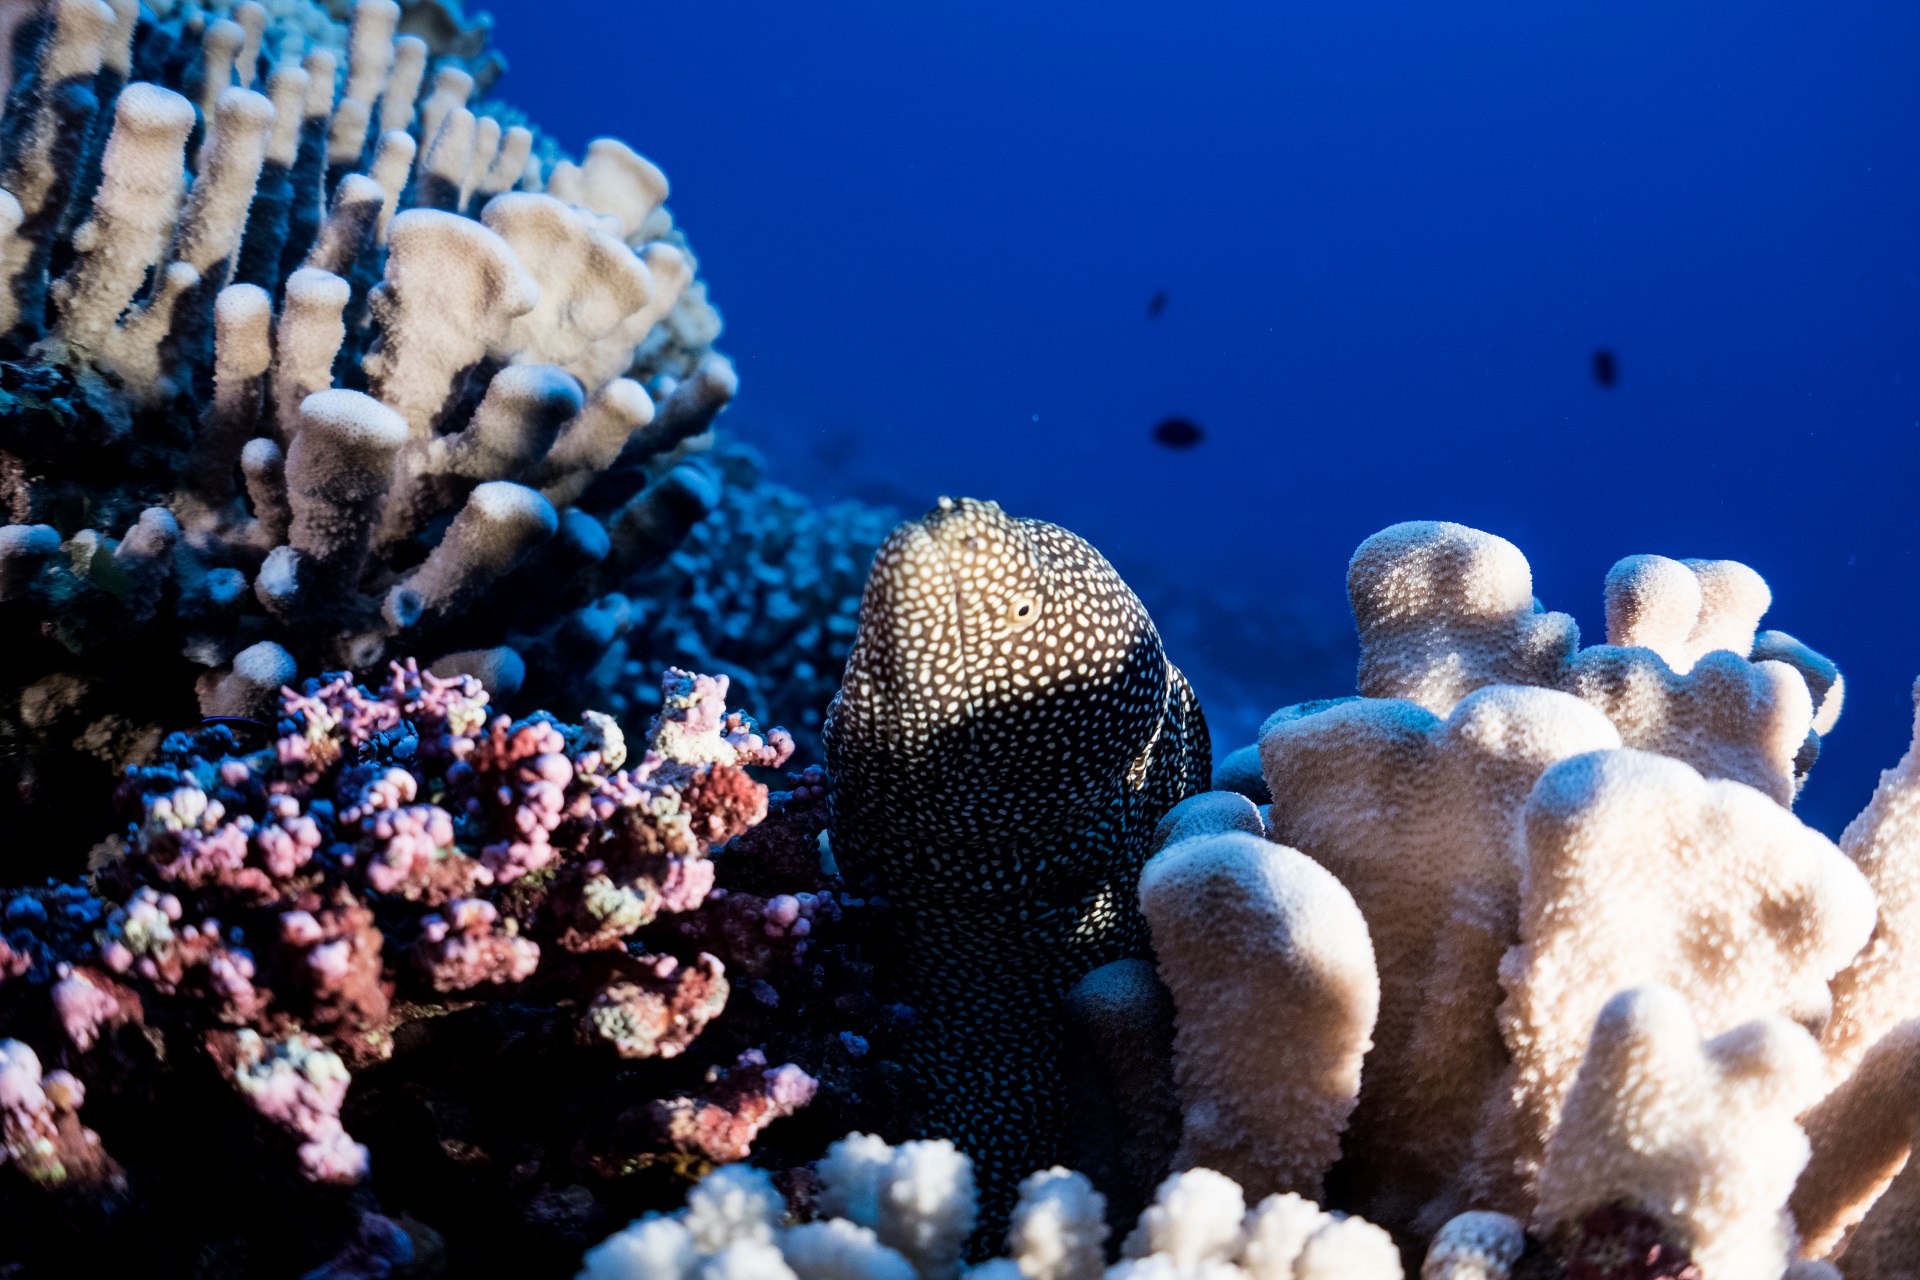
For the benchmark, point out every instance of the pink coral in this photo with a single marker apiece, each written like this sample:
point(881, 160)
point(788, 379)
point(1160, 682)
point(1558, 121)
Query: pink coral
point(410, 852)
point(466, 945)
point(660, 1006)
point(40, 1129)
point(722, 1122)
point(331, 958)
point(84, 1002)
point(522, 773)
point(300, 1085)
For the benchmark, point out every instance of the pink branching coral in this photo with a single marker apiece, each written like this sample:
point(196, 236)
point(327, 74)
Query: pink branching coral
point(465, 945)
point(722, 1121)
point(40, 1131)
point(659, 1006)
point(396, 870)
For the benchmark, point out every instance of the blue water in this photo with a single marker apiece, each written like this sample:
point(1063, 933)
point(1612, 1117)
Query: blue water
point(1390, 235)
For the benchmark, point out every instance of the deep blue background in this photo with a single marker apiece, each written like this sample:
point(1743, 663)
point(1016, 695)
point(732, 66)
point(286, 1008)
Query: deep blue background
point(1391, 233)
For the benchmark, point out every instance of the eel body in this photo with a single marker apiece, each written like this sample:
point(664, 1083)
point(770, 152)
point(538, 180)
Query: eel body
point(1007, 736)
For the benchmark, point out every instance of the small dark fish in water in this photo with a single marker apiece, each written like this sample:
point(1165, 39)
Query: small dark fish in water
point(1178, 433)
point(1156, 304)
point(1606, 370)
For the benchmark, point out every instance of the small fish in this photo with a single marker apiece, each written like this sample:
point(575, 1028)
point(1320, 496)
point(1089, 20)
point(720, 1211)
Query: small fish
point(1156, 304)
point(1178, 433)
point(1606, 370)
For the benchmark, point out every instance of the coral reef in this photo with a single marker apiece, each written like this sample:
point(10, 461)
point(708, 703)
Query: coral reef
point(509, 977)
point(1616, 975)
point(313, 359)
point(902, 1213)
point(1008, 736)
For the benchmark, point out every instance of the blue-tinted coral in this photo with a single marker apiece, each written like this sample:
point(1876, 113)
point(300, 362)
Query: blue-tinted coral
point(310, 359)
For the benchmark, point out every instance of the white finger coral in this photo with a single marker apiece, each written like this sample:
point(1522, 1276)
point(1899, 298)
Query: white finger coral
point(1417, 817)
point(1198, 1227)
point(262, 207)
point(1640, 872)
point(1241, 927)
point(1863, 1135)
point(1881, 988)
point(1443, 609)
point(1698, 1135)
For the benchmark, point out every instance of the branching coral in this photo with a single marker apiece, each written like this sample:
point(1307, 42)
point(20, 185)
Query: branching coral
point(1443, 609)
point(304, 370)
point(1237, 922)
point(306, 931)
point(895, 1213)
point(1416, 816)
point(1602, 937)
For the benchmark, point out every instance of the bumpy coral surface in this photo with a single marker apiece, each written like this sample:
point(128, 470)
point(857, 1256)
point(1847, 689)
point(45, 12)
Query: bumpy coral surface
point(314, 357)
point(507, 977)
point(1602, 936)
point(893, 1213)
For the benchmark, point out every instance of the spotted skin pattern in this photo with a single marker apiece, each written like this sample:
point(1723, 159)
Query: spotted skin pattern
point(1007, 736)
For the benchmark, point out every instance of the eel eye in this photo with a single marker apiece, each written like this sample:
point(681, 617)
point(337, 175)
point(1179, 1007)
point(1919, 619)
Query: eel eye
point(1022, 612)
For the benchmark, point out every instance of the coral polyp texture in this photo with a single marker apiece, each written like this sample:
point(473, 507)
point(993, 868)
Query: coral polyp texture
point(315, 357)
point(880, 1212)
point(1632, 1014)
point(514, 977)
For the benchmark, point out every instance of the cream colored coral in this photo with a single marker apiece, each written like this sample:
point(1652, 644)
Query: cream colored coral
point(591, 442)
point(72, 48)
point(370, 57)
point(1273, 979)
point(1700, 1135)
point(1727, 717)
point(403, 84)
point(452, 291)
point(1443, 609)
point(1640, 872)
point(1059, 1228)
point(307, 340)
point(1882, 986)
point(613, 180)
point(1207, 813)
point(348, 230)
point(1684, 609)
point(1862, 1134)
point(1824, 681)
point(142, 183)
point(500, 523)
point(1197, 1228)
point(1886, 1245)
point(590, 283)
point(1417, 816)
point(672, 275)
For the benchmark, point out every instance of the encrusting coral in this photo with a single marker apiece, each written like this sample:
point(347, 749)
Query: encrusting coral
point(373, 929)
point(314, 359)
point(1007, 738)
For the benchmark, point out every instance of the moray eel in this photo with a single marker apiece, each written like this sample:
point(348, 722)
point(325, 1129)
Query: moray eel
point(1008, 733)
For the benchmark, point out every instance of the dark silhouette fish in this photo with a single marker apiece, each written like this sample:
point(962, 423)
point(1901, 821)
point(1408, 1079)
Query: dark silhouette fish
point(1606, 370)
point(1178, 433)
point(1156, 304)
